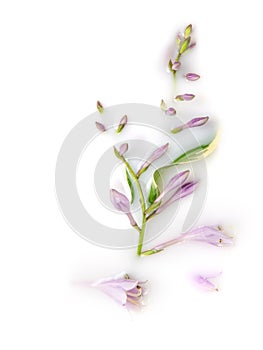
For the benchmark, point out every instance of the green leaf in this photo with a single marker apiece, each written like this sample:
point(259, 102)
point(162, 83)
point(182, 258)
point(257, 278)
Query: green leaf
point(185, 45)
point(129, 181)
point(151, 252)
point(154, 190)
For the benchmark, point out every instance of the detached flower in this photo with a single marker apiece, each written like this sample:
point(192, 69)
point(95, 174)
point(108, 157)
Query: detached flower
point(192, 76)
point(123, 289)
point(185, 97)
point(100, 127)
point(122, 124)
point(100, 108)
point(170, 111)
point(199, 121)
point(205, 283)
point(214, 235)
point(154, 156)
point(121, 202)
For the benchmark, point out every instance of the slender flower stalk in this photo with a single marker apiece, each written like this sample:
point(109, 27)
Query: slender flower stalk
point(125, 290)
point(100, 127)
point(122, 124)
point(213, 235)
point(193, 123)
point(158, 153)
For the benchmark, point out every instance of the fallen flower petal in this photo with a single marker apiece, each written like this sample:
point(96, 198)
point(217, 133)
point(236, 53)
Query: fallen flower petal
point(185, 97)
point(123, 289)
point(192, 76)
point(100, 126)
point(214, 235)
point(154, 156)
point(205, 283)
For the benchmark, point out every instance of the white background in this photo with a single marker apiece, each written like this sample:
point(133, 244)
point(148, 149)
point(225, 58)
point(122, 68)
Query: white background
point(57, 59)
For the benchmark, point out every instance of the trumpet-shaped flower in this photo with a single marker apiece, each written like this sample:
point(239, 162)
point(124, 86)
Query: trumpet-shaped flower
point(123, 289)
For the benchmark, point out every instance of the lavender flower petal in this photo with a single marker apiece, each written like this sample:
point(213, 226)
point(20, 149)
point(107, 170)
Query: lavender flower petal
point(192, 76)
point(120, 201)
point(204, 282)
point(158, 153)
point(185, 97)
point(213, 235)
point(100, 127)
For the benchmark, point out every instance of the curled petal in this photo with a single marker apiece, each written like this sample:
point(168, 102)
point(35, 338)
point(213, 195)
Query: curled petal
point(100, 127)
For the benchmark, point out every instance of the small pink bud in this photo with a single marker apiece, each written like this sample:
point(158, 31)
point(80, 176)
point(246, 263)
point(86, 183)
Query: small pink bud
point(192, 76)
point(170, 111)
point(185, 97)
point(100, 126)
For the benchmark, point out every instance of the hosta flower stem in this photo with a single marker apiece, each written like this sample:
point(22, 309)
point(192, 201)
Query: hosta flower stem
point(143, 205)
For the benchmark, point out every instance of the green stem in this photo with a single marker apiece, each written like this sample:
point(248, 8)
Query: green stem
point(143, 205)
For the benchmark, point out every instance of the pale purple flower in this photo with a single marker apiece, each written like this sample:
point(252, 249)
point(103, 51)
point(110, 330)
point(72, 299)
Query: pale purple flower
point(213, 235)
point(204, 281)
point(100, 127)
point(121, 202)
point(123, 149)
point(122, 123)
point(199, 121)
point(123, 289)
point(159, 152)
point(192, 76)
point(176, 65)
point(170, 111)
point(176, 181)
point(185, 97)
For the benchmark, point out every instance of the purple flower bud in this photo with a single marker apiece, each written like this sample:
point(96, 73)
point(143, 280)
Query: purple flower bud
point(192, 76)
point(175, 182)
point(121, 202)
point(123, 149)
point(199, 121)
point(191, 46)
point(185, 97)
point(100, 126)
point(176, 65)
point(183, 191)
point(170, 111)
point(122, 123)
point(154, 156)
